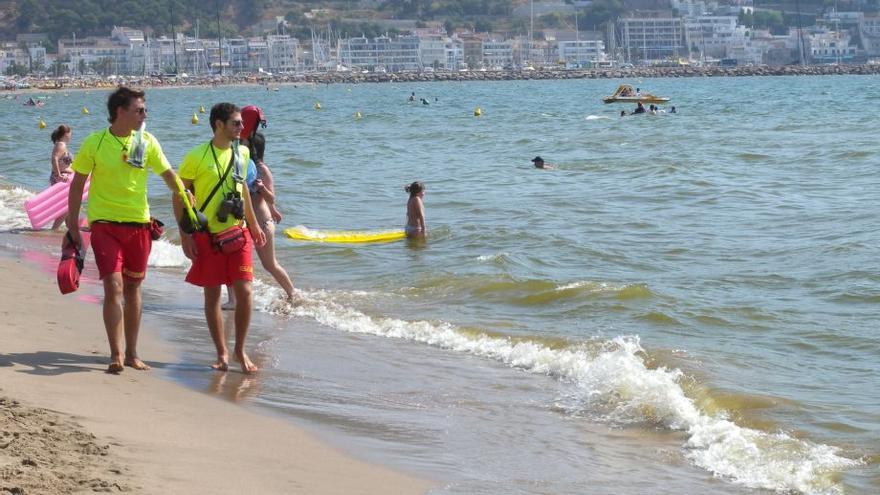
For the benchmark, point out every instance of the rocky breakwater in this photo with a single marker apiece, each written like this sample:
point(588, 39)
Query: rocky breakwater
point(628, 73)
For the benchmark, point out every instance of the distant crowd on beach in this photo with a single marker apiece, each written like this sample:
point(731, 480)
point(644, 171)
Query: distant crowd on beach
point(87, 82)
point(223, 199)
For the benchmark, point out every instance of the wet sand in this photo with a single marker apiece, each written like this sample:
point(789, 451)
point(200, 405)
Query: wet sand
point(67, 426)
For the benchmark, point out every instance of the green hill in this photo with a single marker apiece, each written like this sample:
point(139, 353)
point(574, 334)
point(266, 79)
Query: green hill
point(62, 18)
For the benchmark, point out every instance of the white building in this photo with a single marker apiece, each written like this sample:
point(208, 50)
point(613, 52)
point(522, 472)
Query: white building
point(10, 53)
point(282, 53)
point(831, 47)
point(497, 54)
point(454, 54)
point(391, 54)
point(136, 42)
point(712, 36)
point(432, 50)
point(581, 52)
point(237, 50)
point(258, 54)
point(91, 51)
point(869, 31)
point(654, 38)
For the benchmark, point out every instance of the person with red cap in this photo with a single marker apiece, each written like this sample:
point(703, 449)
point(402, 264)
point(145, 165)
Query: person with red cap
point(252, 117)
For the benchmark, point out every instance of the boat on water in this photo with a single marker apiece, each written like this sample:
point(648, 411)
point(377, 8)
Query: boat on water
point(626, 94)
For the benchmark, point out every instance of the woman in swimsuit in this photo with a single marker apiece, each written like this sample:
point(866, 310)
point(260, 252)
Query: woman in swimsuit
point(262, 191)
point(415, 211)
point(61, 160)
point(61, 157)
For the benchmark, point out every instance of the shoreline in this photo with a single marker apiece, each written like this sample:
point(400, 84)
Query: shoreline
point(138, 431)
point(95, 82)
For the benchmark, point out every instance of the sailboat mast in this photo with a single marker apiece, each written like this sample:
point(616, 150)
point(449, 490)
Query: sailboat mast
point(219, 44)
point(173, 38)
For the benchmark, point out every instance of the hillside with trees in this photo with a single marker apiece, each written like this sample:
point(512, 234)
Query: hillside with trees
point(62, 18)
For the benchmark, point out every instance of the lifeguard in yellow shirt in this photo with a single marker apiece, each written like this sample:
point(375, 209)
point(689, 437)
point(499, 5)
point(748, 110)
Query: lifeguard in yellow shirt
point(118, 159)
point(222, 253)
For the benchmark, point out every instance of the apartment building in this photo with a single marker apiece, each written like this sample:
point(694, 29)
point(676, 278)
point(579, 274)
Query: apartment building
point(711, 35)
point(497, 54)
point(283, 53)
point(382, 53)
point(652, 37)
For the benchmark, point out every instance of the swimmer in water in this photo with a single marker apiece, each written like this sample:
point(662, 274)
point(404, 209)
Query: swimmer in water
point(415, 211)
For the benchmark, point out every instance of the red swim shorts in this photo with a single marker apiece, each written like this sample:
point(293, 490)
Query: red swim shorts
point(212, 268)
point(121, 248)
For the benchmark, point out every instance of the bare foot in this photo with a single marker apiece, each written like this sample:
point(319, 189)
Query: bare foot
point(136, 363)
point(115, 368)
point(220, 365)
point(247, 366)
point(228, 306)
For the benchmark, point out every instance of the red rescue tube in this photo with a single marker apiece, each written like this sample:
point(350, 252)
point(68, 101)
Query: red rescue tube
point(72, 262)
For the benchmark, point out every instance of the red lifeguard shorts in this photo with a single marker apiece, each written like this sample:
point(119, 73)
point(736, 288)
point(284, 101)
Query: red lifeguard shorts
point(212, 268)
point(121, 248)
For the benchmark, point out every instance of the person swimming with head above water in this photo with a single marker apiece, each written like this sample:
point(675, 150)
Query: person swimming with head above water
point(415, 211)
point(639, 109)
point(539, 163)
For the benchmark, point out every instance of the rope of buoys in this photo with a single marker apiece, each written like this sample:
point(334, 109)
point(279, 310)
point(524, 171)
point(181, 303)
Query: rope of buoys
point(478, 111)
point(317, 105)
point(42, 124)
point(86, 111)
point(194, 119)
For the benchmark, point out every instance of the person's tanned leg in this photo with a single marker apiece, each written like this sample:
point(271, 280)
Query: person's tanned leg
point(214, 316)
point(244, 304)
point(266, 253)
point(113, 320)
point(131, 290)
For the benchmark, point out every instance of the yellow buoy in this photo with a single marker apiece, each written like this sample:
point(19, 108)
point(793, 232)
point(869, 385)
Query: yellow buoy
point(85, 111)
point(194, 119)
point(478, 111)
point(358, 116)
point(42, 124)
point(317, 105)
point(201, 108)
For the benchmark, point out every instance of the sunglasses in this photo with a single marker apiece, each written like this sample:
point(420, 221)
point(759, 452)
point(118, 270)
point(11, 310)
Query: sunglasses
point(237, 123)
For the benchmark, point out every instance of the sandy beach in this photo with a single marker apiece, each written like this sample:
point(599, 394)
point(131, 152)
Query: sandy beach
point(66, 426)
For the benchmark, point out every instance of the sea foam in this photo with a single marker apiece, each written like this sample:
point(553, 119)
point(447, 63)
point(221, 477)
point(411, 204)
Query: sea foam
point(12, 214)
point(612, 382)
point(166, 254)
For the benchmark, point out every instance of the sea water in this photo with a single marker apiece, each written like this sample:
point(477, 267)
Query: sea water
point(686, 304)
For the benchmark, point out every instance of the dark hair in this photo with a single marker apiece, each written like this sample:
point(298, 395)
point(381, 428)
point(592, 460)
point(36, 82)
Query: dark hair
point(222, 112)
point(121, 98)
point(257, 146)
point(59, 133)
point(414, 188)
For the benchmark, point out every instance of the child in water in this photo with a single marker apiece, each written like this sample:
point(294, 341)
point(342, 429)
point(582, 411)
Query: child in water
point(415, 211)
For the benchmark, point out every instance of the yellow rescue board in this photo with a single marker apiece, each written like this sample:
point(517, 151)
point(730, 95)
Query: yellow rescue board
point(343, 236)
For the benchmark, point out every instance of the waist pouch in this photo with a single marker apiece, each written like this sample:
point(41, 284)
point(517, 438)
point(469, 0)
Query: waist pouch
point(230, 241)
